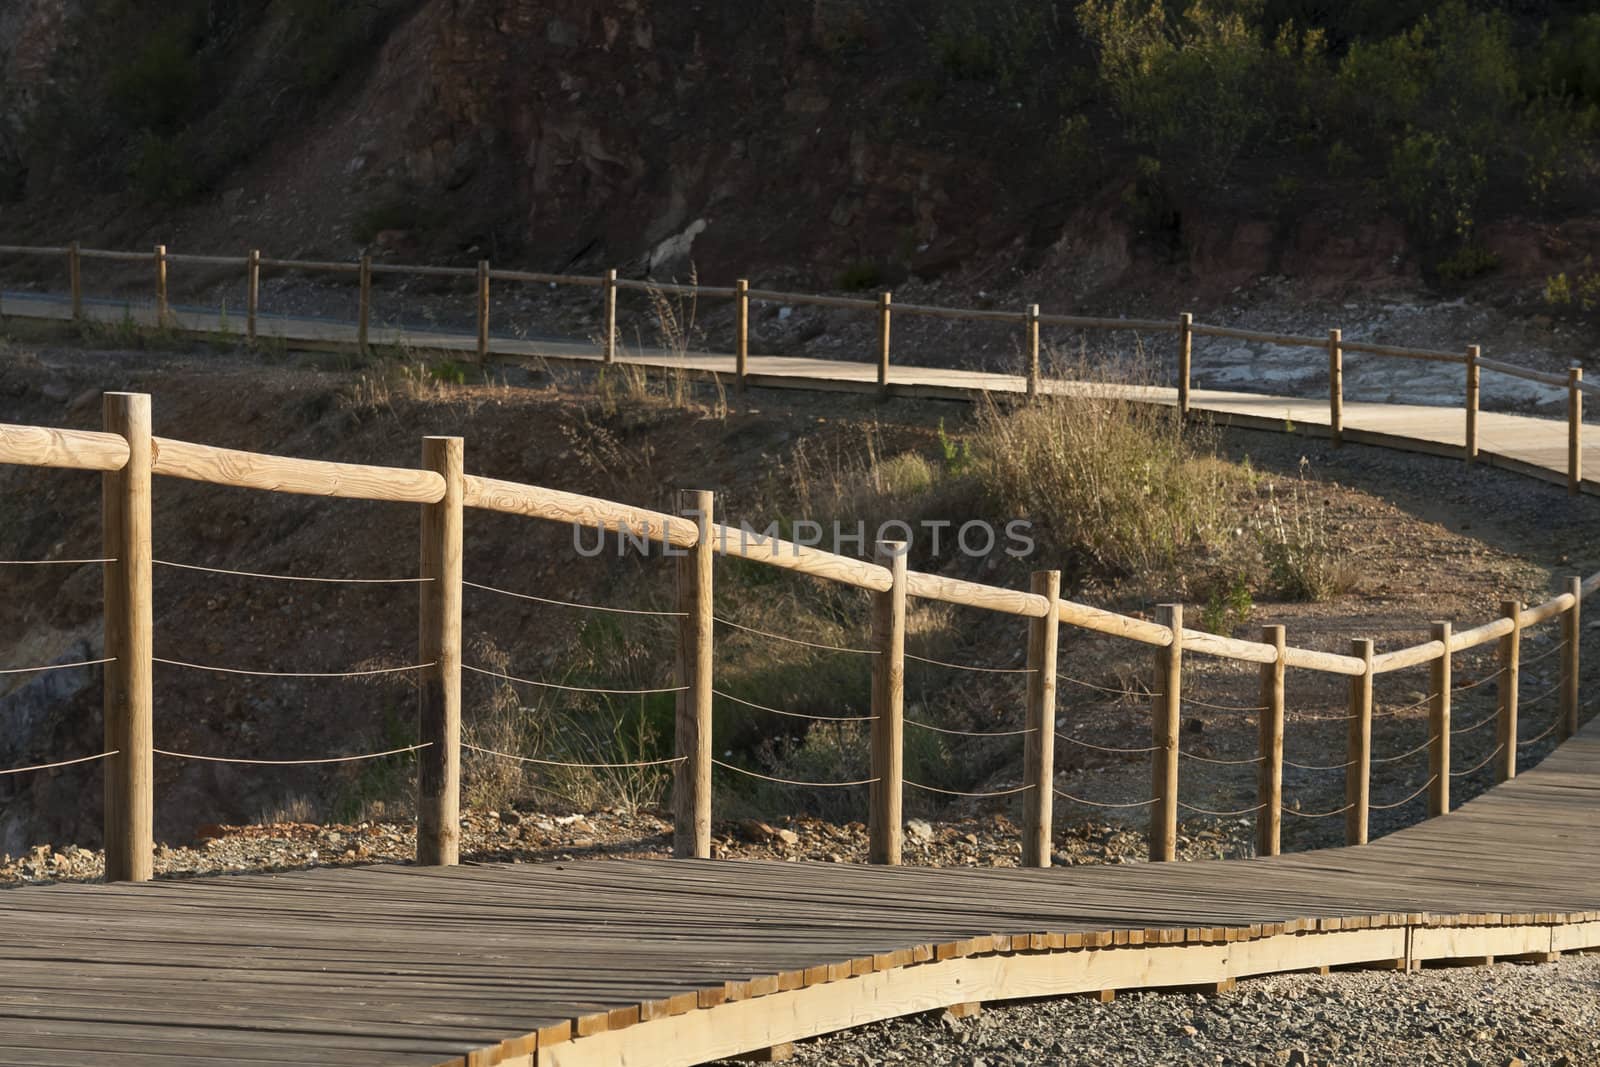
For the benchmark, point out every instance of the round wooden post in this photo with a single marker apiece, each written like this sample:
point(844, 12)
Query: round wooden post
point(1033, 349)
point(1358, 776)
point(1439, 686)
point(883, 344)
point(252, 293)
point(888, 708)
point(1505, 762)
point(1574, 430)
point(364, 304)
point(1269, 772)
point(1470, 449)
point(129, 703)
point(483, 310)
point(691, 778)
point(1165, 708)
point(1336, 386)
point(1185, 356)
point(161, 285)
point(439, 644)
point(741, 359)
point(75, 279)
point(608, 346)
point(1571, 628)
point(1039, 745)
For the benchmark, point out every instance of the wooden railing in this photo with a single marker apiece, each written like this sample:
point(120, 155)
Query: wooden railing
point(129, 457)
point(1029, 319)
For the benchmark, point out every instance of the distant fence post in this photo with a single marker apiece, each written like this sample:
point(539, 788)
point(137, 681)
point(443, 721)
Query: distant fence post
point(1574, 430)
point(1039, 744)
point(608, 299)
point(1440, 681)
point(1571, 628)
point(885, 795)
point(161, 285)
point(1358, 775)
point(1269, 772)
point(364, 303)
point(1336, 386)
point(741, 315)
point(129, 704)
point(252, 293)
point(483, 310)
point(1471, 446)
point(1505, 760)
point(1185, 359)
point(439, 644)
point(1165, 707)
point(883, 344)
point(75, 279)
point(1033, 349)
point(691, 778)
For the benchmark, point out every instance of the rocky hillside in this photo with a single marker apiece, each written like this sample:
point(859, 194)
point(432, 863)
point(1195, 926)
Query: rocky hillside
point(1079, 146)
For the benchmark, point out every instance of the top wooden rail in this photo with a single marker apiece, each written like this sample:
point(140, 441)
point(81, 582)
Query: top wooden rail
point(281, 474)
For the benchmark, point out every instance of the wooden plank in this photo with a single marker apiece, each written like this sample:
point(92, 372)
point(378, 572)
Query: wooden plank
point(37, 446)
point(975, 595)
point(790, 555)
point(282, 474)
point(555, 505)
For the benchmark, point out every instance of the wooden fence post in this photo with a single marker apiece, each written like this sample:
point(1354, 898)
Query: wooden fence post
point(1471, 446)
point(883, 344)
point(741, 315)
point(1039, 745)
point(1571, 628)
point(888, 708)
point(364, 304)
point(75, 279)
point(1033, 349)
point(1440, 682)
point(252, 293)
point(1358, 775)
point(1505, 761)
point(1165, 707)
point(1269, 772)
point(483, 310)
point(1185, 360)
point(608, 347)
point(1336, 386)
point(129, 704)
point(1574, 430)
point(439, 644)
point(161, 285)
point(691, 778)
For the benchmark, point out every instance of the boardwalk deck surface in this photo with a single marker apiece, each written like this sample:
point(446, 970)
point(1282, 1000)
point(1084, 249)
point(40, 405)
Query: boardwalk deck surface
point(410, 965)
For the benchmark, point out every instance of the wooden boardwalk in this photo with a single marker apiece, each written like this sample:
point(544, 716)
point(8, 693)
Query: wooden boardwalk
point(1531, 445)
point(629, 963)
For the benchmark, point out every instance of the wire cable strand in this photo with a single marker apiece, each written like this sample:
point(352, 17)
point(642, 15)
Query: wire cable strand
point(795, 640)
point(1320, 766)
point(1407, 754)
point(1480, 766)
point(1221, 814)
point(290, 762)
point(1528, 702)
point(1105, 748)
point(576, 604)
point(1541, 735)
point(50, 562)
point(289, 577)
point(1317, 814)
point(1491, 717)
point(1220, 762)
point(975, 796)
point(1409, 707)
point(1101, 688)
point(1546, 654)
point(575, 766)
point(293, 674)
point(1223, 707)
point(791, 781)
point(793, 714)
point(58, 666)
point(60, 763)
point(971, 667)
point(504, 677)
point(1481, 681)
point(1098, 804)
point(967, 733)
point(1421, 790)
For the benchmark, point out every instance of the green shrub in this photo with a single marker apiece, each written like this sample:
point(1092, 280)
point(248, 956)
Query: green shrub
point(1468, 261)
point(1227, 606)
point(860, 275)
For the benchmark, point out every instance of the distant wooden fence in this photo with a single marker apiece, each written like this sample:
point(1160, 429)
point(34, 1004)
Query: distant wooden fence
point(1029, 320)
point(129, 456)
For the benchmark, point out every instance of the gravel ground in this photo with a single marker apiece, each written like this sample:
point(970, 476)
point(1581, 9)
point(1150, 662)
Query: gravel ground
point(1507, 1014)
